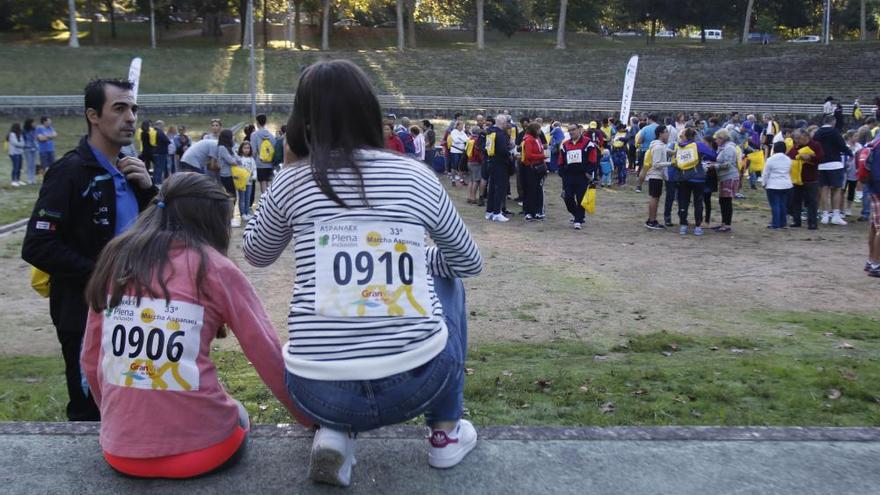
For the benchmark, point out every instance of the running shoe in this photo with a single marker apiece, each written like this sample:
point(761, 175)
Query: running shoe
point(529, 217)
point(577, 226)
point(488, 216)
point(638, 189)
point(838, 220)
point(668, 223)
point(499, 218)
point(683, 230)
point(739, 196)
point(653, 225)
point(826, 217)
point(540, 217)
point(874, 272)
point(448, 449)
point(698, 231)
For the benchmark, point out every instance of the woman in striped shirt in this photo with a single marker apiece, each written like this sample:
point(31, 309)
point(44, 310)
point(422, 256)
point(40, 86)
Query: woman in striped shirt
point(377, 322)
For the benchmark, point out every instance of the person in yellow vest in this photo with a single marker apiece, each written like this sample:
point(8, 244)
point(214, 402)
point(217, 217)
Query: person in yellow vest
point(618, 154)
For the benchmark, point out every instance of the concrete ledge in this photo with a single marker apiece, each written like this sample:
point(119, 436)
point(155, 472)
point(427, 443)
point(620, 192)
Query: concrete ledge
point(66, 458)
point(532, 433)
point(10, 227)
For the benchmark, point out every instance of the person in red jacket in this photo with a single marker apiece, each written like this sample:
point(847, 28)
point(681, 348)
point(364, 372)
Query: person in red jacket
point(808, 193)
point(534, 171)
point(392, 142)
point(578, 164)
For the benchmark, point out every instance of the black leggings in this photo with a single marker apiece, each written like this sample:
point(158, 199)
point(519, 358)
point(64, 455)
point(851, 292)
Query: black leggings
point(685, 191)
point(851, 190)
point(707, 205)
point(726, 210)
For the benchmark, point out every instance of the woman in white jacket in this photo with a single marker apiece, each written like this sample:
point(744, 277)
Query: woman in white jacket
point(777, 182)
point(15, 142)
point(456, 152)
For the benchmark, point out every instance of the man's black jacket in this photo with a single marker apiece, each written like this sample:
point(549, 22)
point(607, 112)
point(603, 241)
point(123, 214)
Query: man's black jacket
point(73, 219)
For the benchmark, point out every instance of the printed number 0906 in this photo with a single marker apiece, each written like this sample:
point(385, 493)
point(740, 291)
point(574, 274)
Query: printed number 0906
point(154, 341)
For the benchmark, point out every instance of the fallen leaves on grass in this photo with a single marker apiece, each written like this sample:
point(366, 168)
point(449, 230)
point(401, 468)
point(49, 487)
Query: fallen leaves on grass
point(834, 394)
point(845, 345)
point(468, 371)
point(600, 358)
point(849, 375)
point(828, 334)
point(737, 351)
point(696, 414)
point(607, 408)
point(666, 353)
point(639, 392)
point(507, 373)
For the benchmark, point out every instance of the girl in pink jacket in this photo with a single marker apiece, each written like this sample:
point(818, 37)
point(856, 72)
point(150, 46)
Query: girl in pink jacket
point(159, 295)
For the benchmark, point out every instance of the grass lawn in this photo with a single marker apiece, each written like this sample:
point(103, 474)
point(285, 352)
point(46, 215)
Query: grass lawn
point(824, 371)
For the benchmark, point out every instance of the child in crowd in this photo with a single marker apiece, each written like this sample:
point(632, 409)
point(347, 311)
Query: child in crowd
point(246, 154)
point(160, 294)
point(852, 142)
point(606, 167)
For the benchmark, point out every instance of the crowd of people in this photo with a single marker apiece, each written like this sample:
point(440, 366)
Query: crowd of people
point(812, 173)
point(31, 150)
point(132, 227)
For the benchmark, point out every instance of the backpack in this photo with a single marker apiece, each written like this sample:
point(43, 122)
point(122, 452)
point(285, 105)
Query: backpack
point(687, 157)
point(866, 161)
point(267, 151)
point(490, 144)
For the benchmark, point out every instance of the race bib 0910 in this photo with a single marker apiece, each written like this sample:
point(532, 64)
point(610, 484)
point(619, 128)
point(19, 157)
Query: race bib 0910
point(152, 346)
point(370, 269)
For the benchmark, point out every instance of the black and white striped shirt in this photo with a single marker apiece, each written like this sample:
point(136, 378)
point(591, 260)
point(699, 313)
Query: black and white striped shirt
point(397, 189)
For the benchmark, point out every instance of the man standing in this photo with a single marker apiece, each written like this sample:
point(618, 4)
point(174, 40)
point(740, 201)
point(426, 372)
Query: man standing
point(160, 155)
point(831, 174)
point(809, 152)
point(92, 194)
point(46, 143)
point(264, 154)
point(644, 138)
point(498, 158)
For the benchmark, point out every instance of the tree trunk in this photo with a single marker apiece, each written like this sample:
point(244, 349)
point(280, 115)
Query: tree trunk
point(399, 8)
point(265, 24)
point(152, 25)
point(297, 32)
point(325, 26)
point(112, 19)
point(74, 32)
point(560, 29)
point(411, 23)
point(653, 30)
point(242, 15)
point(481, 24)
point(863, 35)
point(749, 7)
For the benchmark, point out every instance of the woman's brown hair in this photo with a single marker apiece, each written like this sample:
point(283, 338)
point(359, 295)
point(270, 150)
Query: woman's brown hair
point(191, 210)
point(533, 129)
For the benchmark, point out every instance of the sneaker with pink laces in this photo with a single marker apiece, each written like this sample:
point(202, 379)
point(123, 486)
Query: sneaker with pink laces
point(448, 449)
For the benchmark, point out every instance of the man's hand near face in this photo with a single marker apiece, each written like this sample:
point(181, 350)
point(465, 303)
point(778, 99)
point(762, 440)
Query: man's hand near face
point(135, 171)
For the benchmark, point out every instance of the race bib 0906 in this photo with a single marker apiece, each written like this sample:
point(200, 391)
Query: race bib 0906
point(152, 346)
point(370, 269)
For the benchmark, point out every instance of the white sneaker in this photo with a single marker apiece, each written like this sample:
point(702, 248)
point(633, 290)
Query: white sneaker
point(448, 449)
point(332, 457)
point(500, 218)
point(847, 212)
point(488, 216)
point(577, 226)
point(14, 184)
point(825, 218)
point(838, 220)
point(236, 222)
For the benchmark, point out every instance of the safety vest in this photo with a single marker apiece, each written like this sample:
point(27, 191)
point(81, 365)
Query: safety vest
point(687, 157)
point(490, 144)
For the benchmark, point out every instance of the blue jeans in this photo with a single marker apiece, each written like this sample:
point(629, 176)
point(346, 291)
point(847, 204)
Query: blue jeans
point(866, 200)
point(160, 162)
point(30, 159)
point(244, 199)
point(16, 167)
point(435, 388)
point(778, 199)
point(47, 158)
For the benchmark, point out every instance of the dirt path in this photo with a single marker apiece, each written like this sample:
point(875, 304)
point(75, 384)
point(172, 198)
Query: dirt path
point(544, 280)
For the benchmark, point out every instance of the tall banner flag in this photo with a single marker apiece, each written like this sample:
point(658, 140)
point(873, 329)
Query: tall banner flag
point(134, 75)
point(629, 83)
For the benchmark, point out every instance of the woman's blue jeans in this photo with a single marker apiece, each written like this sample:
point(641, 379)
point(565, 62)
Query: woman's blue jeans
point(778, 199)
point(435, 389)
point(16, 167)
point(30, 158)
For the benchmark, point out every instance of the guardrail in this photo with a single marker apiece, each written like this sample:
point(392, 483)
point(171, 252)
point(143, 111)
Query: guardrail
point(432, 103)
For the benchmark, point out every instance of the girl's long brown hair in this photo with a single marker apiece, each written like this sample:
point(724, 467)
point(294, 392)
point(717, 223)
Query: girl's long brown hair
point(191, 210)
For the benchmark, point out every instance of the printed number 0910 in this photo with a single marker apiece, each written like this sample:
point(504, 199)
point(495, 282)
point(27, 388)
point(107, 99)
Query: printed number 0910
point(343, 268)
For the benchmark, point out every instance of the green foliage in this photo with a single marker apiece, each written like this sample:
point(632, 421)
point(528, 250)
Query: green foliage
point(37, 15)
point(506, 16)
